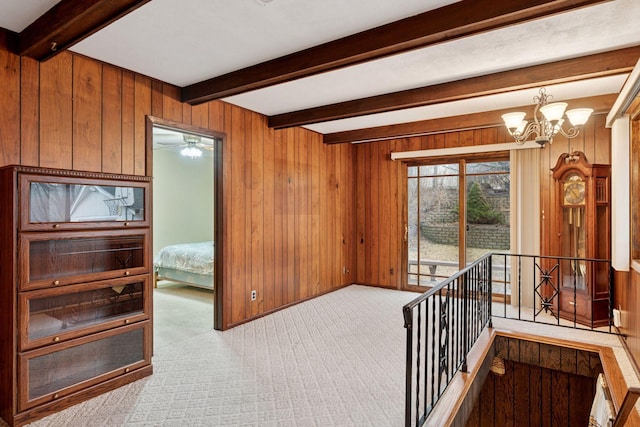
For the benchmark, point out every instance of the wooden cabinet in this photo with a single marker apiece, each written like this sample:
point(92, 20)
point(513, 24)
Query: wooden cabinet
point(581, 229)
point(75, 287)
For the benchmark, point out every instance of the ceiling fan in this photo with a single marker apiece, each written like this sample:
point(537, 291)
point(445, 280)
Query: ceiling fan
point(190, 145)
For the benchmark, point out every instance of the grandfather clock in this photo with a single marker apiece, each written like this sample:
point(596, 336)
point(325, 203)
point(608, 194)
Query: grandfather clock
point(581, 229)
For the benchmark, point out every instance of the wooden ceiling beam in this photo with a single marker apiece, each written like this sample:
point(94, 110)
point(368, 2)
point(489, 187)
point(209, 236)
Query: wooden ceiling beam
point(600, 104)
point(451, 22)
point(69, 22)
point(598, 65)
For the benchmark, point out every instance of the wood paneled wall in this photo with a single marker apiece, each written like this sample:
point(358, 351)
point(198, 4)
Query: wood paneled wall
point(381, 196)
point(381, 200)
point(530, 395)
point(543, 385)
point(595, 142)
point(288, 199)
point(628, 297)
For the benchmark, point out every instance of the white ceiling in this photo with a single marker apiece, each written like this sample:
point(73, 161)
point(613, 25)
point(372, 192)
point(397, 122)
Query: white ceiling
point(183, 42)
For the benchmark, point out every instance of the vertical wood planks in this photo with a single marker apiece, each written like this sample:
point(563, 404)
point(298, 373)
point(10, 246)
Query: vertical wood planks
point(56, 112)
point(361, 190)
point(111, 119)
point(279, 240)
point(301, 216)
point(388, 213)
point(200, 116)
point(128, 122)
point(258, 127)
point(529, 395)
point(246, 143)
point(325, 219)
point(87, 114)
point(314, 214)
point(10, 105)
point(29, 112)
point(142, 107)
point(171, 105)
point(237, 241)
point(290, 210)
point(269, 222)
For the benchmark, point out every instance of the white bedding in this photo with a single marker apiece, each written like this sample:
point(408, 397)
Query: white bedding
point(190, 257)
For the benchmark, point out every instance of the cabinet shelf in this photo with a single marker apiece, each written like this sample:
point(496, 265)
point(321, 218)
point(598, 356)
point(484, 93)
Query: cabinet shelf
point(60, 258)
point(54, 315)
point(54, 372)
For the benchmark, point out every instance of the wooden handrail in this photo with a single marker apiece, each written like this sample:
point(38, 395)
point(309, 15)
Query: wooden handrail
point(628, 404)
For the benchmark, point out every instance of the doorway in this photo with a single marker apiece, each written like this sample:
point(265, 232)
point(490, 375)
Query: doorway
point(186, 197)
point(457, 211)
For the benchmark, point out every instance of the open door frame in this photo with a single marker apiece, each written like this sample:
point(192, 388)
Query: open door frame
point(218, 217)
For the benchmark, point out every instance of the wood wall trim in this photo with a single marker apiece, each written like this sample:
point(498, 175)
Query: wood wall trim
point(485, 119)
point(447, 23)
point(68, 22)
point(586, 67)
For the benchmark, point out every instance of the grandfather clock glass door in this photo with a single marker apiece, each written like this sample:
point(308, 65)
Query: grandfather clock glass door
point(573, 224)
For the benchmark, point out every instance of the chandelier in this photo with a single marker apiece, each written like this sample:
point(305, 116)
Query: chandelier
point(548, 124)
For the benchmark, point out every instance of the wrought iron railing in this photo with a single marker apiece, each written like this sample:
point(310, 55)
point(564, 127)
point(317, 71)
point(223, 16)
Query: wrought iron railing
point(561, 291)
point(444, 323)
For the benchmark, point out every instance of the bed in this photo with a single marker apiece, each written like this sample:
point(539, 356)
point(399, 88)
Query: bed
point(188, 263)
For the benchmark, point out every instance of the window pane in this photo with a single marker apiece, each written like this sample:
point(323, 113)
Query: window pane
point(431, 170)
point(433, 229)
point(487, 167)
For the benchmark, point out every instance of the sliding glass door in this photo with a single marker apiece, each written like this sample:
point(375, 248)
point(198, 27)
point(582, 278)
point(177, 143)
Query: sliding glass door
point(457, 212)
point(433, 223)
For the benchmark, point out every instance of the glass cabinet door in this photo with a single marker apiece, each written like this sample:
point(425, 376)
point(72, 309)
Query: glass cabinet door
point(53, 315)
point(67, 203)
point(56, 371)
point(52, 259)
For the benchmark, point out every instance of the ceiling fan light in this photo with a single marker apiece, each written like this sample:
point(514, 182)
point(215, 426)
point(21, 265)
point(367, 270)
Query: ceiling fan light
point(579, 116)
point(553, 112)
point(191, 139)
point(513, 120)
point(193, 152)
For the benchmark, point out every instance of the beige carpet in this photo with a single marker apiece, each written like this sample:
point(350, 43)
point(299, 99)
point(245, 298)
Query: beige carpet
point(337, 360)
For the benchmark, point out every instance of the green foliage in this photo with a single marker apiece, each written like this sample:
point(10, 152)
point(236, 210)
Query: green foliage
point(479, 211)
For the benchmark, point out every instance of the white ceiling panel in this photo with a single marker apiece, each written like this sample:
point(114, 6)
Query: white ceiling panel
point(183, 42)
point(560, 92)
point(16, 15)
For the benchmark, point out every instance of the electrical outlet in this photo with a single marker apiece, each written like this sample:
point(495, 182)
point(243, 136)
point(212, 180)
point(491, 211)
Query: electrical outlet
point(617, 318)
point(254, 295)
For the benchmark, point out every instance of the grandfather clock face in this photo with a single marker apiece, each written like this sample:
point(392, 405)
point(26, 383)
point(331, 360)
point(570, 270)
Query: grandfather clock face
point(573, 191)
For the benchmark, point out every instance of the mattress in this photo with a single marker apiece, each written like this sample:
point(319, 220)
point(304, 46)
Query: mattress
point(188, 257)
